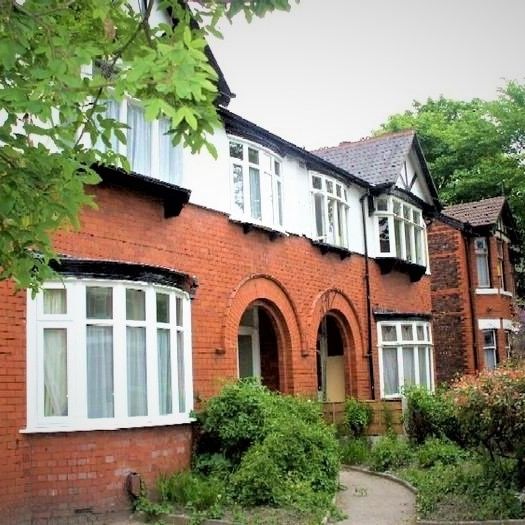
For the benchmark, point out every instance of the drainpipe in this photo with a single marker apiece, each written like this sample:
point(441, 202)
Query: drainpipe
point(471, 300)
point(368, 299)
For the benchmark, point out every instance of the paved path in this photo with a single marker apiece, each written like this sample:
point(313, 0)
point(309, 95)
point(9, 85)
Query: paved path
point(372, 500)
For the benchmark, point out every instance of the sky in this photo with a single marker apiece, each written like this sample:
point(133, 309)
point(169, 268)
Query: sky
point(334, 70)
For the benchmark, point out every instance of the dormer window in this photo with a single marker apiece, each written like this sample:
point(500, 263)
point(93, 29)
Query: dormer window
point(257, 190)
point(330, 210)
point(401, 230)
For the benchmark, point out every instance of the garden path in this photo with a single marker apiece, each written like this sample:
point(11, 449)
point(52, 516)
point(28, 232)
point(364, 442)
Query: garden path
point(373, 500)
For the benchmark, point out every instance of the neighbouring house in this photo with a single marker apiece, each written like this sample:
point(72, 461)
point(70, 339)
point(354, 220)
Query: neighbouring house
point(309, 270)
point(473, 293)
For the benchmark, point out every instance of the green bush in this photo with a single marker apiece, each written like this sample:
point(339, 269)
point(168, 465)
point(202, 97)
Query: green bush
point(358, 416)
point(389, 453)
point(192, 490)
point(429, 415)
point(295, 454)
point(355, 451)
point(436, 450)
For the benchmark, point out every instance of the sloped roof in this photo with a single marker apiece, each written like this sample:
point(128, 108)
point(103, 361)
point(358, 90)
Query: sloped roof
point(377, 160)
point(479, 213)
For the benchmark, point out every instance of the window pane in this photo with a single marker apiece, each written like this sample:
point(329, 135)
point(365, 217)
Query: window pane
point(277, 168)
point(482, 265)
point(99, 302)
point(423, 367)
point(490, 358)
point(135, 305)
point(112, 112)
point(236, 150)
point(319, 214)
point(180, 372)
point(317, 183)
point(255, 193)
point(329, 186)
point(279, 203)
point(137, 382)
point(398, 224)
point(170, 164)
point(245, 350)
point(163, 308)
point(341, 224)
point(382, 204)
point(409, 371)
point(331, 220)
point(338, 190)
point(139, 141)
point(417, 217)
point(418, 238)
point(238, 187)
point(99, 353)
point(489, 338)
point(384, 235)
point(164, 365)
point(420, 333)
point(397, 208)
point(253, 156)
point(55, 301)
point(55, 372)
point(407, 333)
point(406, 212)
point(388, 333)
point(408, 246)
point(390, 372)
point(178, 308)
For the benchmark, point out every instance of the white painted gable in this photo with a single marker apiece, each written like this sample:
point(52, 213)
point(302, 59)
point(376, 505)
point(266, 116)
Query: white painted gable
point(411, 178)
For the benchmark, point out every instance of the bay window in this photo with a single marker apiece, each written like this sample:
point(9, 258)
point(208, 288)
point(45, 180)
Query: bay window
point(330, 210)
point(105, 354)
point(405, 356)
point(401, 230)
point(257, 194)
point(148, 147)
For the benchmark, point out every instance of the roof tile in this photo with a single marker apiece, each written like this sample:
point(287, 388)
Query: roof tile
point(479, 213)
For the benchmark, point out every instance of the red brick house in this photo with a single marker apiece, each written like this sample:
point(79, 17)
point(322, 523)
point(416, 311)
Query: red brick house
point(472, 286)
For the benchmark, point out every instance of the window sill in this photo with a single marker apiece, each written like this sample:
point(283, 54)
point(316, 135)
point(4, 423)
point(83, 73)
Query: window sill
point(506, 292)
point(325, 248)
point(493, 291)
point(174, 197)
point(389, 264)
point(110, 425)
point(273, 232)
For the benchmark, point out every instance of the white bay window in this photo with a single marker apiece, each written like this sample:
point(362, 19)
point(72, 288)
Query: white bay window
point(405, 356)
point(257, 193)
point(105, 354)
point(330, 210)
point(401, 230)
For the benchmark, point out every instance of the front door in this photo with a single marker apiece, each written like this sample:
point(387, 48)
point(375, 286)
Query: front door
point(248, 348)
point(330, 362)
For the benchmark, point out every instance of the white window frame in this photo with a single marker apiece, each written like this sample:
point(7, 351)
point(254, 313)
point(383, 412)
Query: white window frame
point(490, 348)
point(398, 247)
point(75, 322)
point(270, 184)
point(339, 197)
point(155, 170)
point(398, 345)
point(481, 252)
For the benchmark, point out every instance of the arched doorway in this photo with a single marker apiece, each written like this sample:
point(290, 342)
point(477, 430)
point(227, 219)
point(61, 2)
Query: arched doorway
point(331, 375)
point(258, 346)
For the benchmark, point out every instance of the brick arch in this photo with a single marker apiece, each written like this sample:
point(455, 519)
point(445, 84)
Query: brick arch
point(336, 303)
point(270, 294)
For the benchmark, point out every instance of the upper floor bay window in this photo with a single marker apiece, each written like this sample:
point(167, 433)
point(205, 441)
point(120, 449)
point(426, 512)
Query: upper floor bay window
point(482, 262)
point(401, 230)
point(256, 183)
point(330, 210)
point(405, 355)
point(148, 147)
point(105, 354)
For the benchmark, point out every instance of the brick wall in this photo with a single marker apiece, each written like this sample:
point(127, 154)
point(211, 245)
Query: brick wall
point(56, 474)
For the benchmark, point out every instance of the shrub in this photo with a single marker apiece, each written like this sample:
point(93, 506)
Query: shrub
point(355, 451)
point(358, 416)
point(216, 465)
point(389, 453)
point(429, 415)
point(436, 450)
point(295, 454)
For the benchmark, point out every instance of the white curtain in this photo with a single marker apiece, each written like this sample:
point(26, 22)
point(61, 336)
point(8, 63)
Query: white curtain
point(409, 370)
point(100, 371)
point(55, 301)
point(181, 372)
point(483, 269)
point(423, 355)
point(390, 373)
point(55, 372)
point(170, 168)
point(136, 361)
point(255, 193)
point(139, 141)
point(164, 364)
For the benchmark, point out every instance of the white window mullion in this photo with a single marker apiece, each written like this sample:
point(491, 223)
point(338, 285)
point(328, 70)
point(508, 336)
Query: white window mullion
point(151, 353)
point(120, 385)
point(77, 381)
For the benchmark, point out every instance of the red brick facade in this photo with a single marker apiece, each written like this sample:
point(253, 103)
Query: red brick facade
point(457, 307)
point(57, 474)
